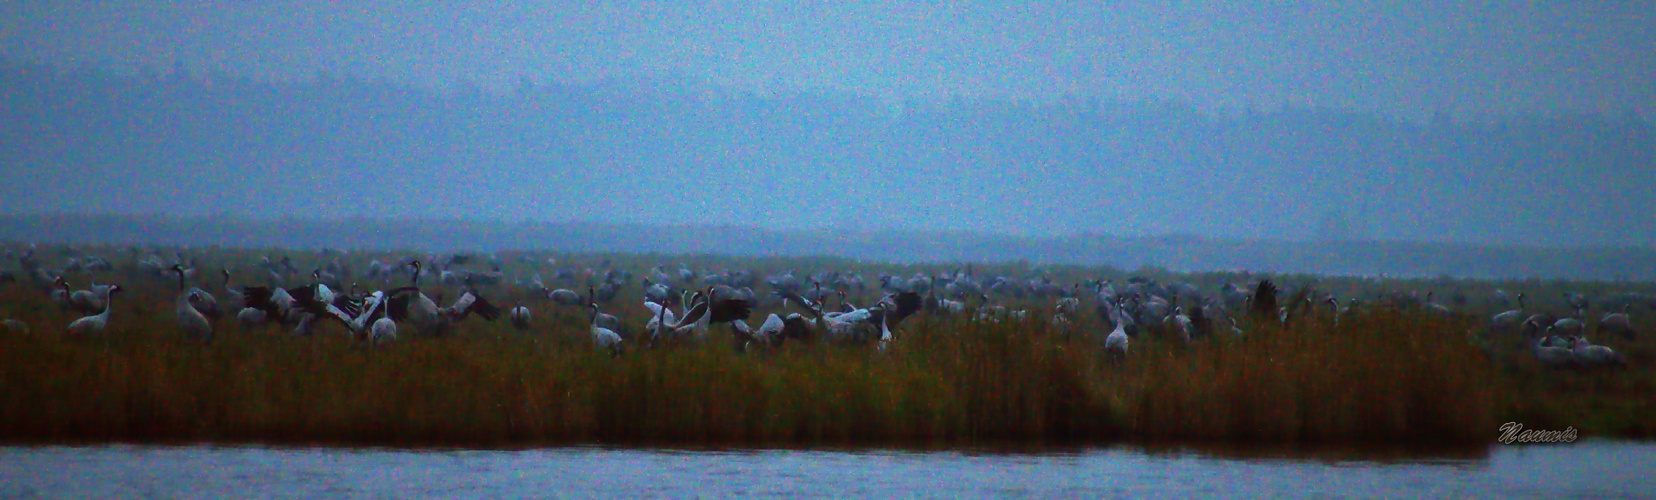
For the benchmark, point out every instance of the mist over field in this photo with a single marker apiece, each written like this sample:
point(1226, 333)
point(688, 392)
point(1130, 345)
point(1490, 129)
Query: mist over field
point(121, 234)
point(1461, 126)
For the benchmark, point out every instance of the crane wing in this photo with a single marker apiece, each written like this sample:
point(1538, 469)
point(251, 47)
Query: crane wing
point(397, 303)
point(727, 310)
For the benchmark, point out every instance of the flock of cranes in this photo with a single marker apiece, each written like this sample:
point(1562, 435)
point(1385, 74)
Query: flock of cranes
point(1560, 342)
point(378, 315)
point(818, 307)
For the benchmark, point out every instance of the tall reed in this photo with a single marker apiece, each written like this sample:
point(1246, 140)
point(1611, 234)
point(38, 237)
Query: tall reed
point(1381, 378)
point(1374, 377)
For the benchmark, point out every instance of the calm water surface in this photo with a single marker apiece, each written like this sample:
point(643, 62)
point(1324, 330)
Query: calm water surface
point(1599, 469)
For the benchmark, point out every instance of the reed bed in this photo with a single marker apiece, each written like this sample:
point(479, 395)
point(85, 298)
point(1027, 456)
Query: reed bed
point(485, 389)
point(1386, 376)
point(944, 383)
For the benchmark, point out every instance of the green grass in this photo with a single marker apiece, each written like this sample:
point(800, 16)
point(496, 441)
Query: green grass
point(1384, 376)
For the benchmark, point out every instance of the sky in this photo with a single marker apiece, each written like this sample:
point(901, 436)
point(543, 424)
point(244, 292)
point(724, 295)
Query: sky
point(1409, 59)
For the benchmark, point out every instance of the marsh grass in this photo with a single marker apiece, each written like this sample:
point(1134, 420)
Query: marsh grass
point(496, 390)
point(1383, 377)
point(946, 382)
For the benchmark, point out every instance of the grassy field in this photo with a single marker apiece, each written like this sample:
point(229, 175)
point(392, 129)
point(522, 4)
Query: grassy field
point(1382, 375)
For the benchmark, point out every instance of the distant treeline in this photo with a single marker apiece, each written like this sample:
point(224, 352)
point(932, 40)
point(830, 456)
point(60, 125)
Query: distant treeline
point(1174, 253)
point(183, 141)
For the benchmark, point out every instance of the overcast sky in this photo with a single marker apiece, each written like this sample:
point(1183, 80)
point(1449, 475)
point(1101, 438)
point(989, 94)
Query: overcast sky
point(1400, 58)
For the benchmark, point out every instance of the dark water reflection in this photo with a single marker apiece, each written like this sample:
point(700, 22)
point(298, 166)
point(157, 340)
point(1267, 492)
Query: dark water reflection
point(1588, 468)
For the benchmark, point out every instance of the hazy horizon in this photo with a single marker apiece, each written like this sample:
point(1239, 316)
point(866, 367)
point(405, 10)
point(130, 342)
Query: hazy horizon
point(966, 234)
point(1521, 125)
point(118, 234)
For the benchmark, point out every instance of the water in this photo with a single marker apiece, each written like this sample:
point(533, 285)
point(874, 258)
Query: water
point(1600, 469)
